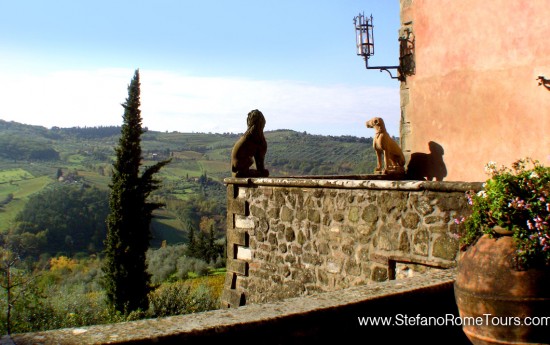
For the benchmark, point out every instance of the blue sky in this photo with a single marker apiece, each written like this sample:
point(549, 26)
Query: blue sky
point(203, 64)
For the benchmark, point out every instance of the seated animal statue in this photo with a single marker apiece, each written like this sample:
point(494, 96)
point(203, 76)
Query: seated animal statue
point(393, 160)
point(250, 148)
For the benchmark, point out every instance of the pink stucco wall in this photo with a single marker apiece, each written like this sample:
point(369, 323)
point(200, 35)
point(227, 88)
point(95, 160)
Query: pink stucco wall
point(475, 91)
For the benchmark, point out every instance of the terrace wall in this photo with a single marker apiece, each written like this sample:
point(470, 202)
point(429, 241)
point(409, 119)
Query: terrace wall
point(289, 237)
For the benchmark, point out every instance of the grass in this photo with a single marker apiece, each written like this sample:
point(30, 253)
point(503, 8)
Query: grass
point(21, 191)
point(214, 282)
point(188, 155)
point(99, 181)
point(14, 175)
point(166, 227)
point(75, 159)
point(218, 271)
point(216, 167)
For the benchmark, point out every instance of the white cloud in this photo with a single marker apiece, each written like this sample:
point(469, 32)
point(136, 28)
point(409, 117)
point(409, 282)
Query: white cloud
point(179, 102)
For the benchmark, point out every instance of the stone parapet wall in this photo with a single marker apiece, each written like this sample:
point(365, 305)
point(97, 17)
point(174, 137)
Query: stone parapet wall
point(317, 319)
point(288, 237)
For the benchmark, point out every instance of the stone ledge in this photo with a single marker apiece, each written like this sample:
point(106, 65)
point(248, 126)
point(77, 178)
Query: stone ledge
point(300, 320)
point(355, 182)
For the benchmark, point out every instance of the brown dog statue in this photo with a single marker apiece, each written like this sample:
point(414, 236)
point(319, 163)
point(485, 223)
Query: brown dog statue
point(250, 148)
point(394, 160)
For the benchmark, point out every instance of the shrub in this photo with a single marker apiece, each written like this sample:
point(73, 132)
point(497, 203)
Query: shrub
point(179, 298)
point(515, 199)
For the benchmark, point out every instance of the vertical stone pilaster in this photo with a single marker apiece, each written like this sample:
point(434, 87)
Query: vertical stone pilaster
point(238, 253)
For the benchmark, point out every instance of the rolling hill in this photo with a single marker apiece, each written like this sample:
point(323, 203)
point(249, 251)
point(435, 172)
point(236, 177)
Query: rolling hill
point(32, 157)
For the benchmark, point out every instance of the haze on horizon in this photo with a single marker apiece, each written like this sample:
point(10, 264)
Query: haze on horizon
point(203, 66)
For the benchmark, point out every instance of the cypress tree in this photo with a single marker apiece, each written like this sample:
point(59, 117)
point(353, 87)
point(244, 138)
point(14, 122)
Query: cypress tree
point(127, 282)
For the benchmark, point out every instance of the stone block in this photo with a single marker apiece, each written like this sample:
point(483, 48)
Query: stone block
point(232, 298)
point(379, 274)
point(433, 219)
point(290, 258)
point(314, 216)
point(381, 259)
point(347, 249)
point(289, 234)
point(363, 253)
point(301, 238)
point(312, 259)
point(449, 202)
point(272, 239)
point(421, 242)
point(423, 206)
point(279, 197)
point(370, 214)
point(410, 220)
point(243, 222)
point(244, 253)
point(287, 215)
point(322, 277)
point(404, 243)
point(438, 228)
point(301, 214)
point(258, 212)
point(384, 241)
point(352, 268)
point(333, 266)
point(445, 247)
point(353, 215)
point(237, 266)
point(230, 280)
point(236, 237)
point(241, 194)
point(263, 225)
point(323, 248)
point(237, 206)
point(273, 213)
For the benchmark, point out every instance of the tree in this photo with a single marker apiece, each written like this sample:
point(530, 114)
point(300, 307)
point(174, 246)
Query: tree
point(14, 278)
point(127, 281)
point(65, 210)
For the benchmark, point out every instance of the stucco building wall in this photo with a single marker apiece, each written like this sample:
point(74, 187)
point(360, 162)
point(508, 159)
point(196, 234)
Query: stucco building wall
point(474, 94)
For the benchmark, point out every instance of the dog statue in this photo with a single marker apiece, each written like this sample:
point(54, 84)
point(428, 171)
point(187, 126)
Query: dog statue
point(383, 144)
point(250, 148)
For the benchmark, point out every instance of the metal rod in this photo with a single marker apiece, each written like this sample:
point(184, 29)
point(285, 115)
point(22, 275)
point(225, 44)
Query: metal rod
point(382, 68)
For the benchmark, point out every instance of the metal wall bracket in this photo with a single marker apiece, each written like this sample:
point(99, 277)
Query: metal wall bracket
point(544, 82)
point(365, 47)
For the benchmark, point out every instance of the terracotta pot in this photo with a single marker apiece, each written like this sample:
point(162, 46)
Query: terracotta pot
point(497, 300)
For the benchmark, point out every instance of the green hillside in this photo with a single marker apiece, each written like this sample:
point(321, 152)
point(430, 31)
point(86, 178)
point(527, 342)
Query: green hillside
point(33, 157)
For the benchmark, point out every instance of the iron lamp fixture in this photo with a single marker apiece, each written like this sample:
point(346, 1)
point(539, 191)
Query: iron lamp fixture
point(365, 42)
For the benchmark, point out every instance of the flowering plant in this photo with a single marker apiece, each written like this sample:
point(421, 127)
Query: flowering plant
point(517, 200)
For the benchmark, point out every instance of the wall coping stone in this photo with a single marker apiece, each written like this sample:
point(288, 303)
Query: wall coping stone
point(356, 182)
point(197, 326)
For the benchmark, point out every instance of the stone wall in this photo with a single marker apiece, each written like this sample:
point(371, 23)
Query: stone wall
point(330, 317)
point(288, 237)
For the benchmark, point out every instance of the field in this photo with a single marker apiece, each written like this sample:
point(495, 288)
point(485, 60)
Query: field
point(20, 189)
point(86, 155)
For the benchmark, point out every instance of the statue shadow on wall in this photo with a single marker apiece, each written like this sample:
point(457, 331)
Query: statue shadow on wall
point(427, 166)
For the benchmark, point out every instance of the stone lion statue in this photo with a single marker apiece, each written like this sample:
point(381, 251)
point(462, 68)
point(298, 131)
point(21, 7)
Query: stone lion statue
point(384, 145)
point(250, 148)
